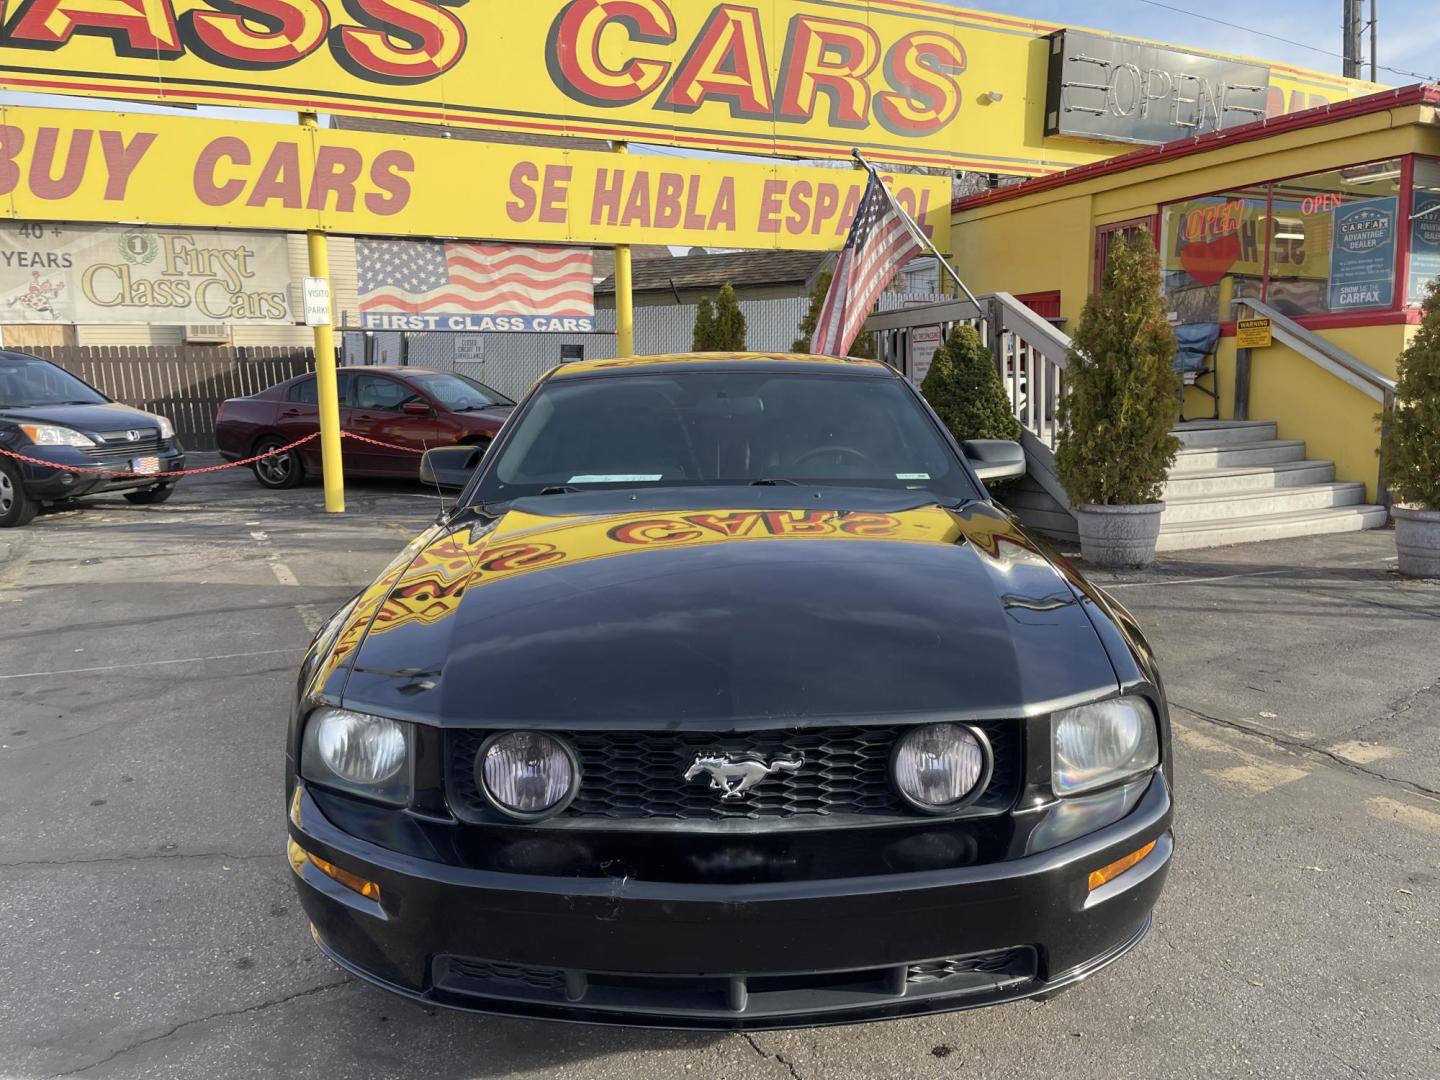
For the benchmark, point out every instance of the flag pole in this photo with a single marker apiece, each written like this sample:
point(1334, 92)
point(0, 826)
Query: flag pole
point(919, 234)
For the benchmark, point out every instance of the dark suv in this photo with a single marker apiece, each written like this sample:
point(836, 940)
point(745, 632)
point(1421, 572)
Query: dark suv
point(47, 414)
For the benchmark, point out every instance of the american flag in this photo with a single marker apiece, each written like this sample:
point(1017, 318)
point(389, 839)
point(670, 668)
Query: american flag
point(881, 241)
point(425, 277)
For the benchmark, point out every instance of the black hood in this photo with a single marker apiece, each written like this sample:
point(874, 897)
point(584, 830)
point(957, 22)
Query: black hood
point(726, 617)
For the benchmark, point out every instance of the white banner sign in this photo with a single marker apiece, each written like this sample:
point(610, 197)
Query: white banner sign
point(52, 273)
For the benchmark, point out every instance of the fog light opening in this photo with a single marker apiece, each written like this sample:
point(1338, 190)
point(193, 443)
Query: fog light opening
point(1113, 870)
point(354, 882)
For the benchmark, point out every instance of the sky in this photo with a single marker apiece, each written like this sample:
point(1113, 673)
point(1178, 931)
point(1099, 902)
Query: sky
point(1301, 32)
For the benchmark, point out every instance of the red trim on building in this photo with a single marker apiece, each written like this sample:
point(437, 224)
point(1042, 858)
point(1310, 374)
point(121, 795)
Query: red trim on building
point(1418, 94)
point(1347, 319)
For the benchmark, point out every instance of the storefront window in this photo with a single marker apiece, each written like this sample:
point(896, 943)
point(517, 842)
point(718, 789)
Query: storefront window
point(1212, 252)
point(1333, 240)
point(1424, 230)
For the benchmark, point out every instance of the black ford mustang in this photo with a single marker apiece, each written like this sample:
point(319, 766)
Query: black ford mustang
point(726, 697)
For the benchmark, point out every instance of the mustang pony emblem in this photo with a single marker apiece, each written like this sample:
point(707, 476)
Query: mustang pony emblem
point(735, 778)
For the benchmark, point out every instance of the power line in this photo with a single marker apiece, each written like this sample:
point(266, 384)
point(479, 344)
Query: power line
point(1288, 41)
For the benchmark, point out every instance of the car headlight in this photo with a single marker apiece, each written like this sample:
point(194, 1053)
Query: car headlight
point(940, 767)
point(1102, 743)
point(167, 429)
point(55, 435)
point(527, 774)
point(368, 755)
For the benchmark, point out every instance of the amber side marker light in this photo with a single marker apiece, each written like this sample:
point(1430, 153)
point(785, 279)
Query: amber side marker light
point(1113, 870)
point(299, 857)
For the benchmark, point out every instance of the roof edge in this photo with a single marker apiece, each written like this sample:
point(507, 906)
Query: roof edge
point(1415, 94)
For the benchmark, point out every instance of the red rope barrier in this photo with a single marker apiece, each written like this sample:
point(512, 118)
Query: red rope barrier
point(126, 473)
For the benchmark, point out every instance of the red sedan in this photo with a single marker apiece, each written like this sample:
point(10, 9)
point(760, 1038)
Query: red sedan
point(410, 408)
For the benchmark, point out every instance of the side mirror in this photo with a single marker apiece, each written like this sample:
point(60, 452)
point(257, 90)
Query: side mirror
point(416, 408)
point(995, 459)
point(449, 467)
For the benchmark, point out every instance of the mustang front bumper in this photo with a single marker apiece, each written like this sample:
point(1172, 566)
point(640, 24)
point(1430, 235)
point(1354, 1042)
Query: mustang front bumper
point(610, 950)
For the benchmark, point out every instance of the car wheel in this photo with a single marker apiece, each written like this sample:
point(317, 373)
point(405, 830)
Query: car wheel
point(16, 507)
point(278, 472)
point(150, 496)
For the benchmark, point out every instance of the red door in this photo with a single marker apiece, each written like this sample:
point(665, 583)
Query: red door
point(379, 410)
point(299, 415)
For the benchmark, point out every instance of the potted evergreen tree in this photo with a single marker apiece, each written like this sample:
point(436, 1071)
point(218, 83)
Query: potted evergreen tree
point(1115, 448)
point(1412, 451)
point(965, 390)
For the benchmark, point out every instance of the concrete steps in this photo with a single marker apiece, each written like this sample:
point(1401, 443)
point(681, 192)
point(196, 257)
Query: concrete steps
point(1236, 481)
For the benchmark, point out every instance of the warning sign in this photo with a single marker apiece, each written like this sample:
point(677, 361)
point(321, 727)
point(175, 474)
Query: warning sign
point(1252, 334)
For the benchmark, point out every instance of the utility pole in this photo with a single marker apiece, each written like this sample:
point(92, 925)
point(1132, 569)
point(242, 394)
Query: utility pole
point(1352, 26)
point(1374, 46)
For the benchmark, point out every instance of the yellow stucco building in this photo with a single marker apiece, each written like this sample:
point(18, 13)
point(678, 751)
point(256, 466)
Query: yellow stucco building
point(1328, 218)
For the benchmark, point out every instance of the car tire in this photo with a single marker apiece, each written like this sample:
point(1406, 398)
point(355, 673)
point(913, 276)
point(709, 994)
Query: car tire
point(16, 507)
point(281, 471)
point(150, 496)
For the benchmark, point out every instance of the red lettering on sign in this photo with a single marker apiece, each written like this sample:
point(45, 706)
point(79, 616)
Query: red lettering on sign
point(121, 158)
point(399, 41)
point(207, 189)
point(572, 50)
point(43, 182)
point(256, 35)
point(831, 56)
point(394, 189)
point(279, 178)
point(137, 28)
point(726, 63)
point(921, 68)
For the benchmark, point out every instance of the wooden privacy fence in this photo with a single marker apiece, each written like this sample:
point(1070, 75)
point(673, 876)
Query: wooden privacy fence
point(186, 384)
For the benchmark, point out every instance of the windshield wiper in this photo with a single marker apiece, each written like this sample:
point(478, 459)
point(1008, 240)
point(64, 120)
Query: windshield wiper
point(775, 481)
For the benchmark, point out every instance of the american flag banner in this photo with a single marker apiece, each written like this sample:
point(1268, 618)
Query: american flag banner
point(881, 240)
point(494, 282)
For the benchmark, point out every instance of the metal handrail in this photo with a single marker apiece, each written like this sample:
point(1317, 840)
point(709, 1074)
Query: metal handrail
point(1330, 358)
point(1324, 354)
point(1030, 354)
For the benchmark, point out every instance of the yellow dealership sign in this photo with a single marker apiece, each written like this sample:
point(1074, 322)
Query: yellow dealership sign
point(908, 81)
point(71, 165)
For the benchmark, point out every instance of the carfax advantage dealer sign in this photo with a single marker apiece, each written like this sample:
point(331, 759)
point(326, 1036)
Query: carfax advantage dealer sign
point(907, 80)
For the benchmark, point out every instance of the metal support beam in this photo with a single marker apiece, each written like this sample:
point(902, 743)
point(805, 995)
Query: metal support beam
point(624, 292)
point(326, 381)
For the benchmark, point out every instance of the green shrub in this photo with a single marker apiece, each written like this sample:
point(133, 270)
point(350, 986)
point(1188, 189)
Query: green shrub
point(1115, 446)
point(864, 344)
point(1412, 452)
point(719, 324)
point(704, 332)
point(965, 390)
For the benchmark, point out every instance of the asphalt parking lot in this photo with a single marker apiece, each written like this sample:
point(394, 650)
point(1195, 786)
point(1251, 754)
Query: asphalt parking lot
point(149, 925)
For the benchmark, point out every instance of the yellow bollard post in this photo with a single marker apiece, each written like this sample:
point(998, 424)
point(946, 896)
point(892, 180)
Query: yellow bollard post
point(624, 296)
point(326, 383)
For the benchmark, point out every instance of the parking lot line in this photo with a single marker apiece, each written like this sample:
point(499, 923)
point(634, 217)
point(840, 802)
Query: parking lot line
point(146, 663)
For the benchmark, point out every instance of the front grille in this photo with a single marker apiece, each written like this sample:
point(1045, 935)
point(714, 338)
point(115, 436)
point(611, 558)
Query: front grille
point(640, 775)
point(1004, 962)
point(117, 447)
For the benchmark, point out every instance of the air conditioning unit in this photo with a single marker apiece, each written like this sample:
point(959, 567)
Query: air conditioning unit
point(207, 334)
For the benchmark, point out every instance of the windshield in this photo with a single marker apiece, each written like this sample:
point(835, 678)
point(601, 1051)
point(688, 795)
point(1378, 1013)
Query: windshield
point(459, 394)
point(37, 382)
point(732, 428)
